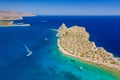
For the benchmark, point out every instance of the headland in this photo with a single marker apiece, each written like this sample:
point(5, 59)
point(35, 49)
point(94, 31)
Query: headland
point(74, 41)
point(7, 17)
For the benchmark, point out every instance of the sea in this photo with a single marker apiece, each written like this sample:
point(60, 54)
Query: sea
point(46, 62)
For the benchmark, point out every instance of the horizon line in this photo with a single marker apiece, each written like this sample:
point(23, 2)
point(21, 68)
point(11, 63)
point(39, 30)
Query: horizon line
point(77, 15)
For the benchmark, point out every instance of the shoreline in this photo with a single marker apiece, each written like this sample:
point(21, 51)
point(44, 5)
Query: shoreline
point(13, 25)
point(11, 19)
point(20, 18)
point(14, 15)
point(10, 22)
point(106, 68)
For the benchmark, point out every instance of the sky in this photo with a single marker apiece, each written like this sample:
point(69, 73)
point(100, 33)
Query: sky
point(63, 7)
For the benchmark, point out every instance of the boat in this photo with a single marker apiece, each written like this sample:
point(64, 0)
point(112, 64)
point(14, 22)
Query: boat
point(81, 68)
point(46, 39)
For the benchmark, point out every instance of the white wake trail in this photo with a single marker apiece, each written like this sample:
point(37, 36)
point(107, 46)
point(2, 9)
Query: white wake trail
point(28, 50)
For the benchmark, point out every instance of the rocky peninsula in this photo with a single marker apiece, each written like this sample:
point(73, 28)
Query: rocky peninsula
point(12, 15)
point(7, 17)
point(74, 41)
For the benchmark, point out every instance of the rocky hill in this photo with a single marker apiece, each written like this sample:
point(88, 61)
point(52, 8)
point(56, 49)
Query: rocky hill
point(11, 15)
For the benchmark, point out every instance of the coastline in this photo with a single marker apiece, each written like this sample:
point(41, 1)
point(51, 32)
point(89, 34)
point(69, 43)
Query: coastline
point(108, 69)
point(10, 22)
point(74, 42)
point(20, 18)
point(7, 18)
point(13, 25)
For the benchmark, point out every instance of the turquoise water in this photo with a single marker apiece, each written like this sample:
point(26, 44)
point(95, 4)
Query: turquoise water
point(46, 62)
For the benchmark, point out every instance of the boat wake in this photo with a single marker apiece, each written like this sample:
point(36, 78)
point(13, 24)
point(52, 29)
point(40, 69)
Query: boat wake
point(28, 50)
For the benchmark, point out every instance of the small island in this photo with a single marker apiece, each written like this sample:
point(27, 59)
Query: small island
point(7, 17)
point(74, 41)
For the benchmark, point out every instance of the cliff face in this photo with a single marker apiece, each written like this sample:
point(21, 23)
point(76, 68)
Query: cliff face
point(75, 41)
point(9, 15)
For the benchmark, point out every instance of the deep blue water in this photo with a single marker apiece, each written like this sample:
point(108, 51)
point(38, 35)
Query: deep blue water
point(45, 63)
point(103, 30)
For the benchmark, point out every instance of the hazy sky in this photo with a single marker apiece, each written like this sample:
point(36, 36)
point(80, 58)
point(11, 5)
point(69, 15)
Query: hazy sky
point(63, 7)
